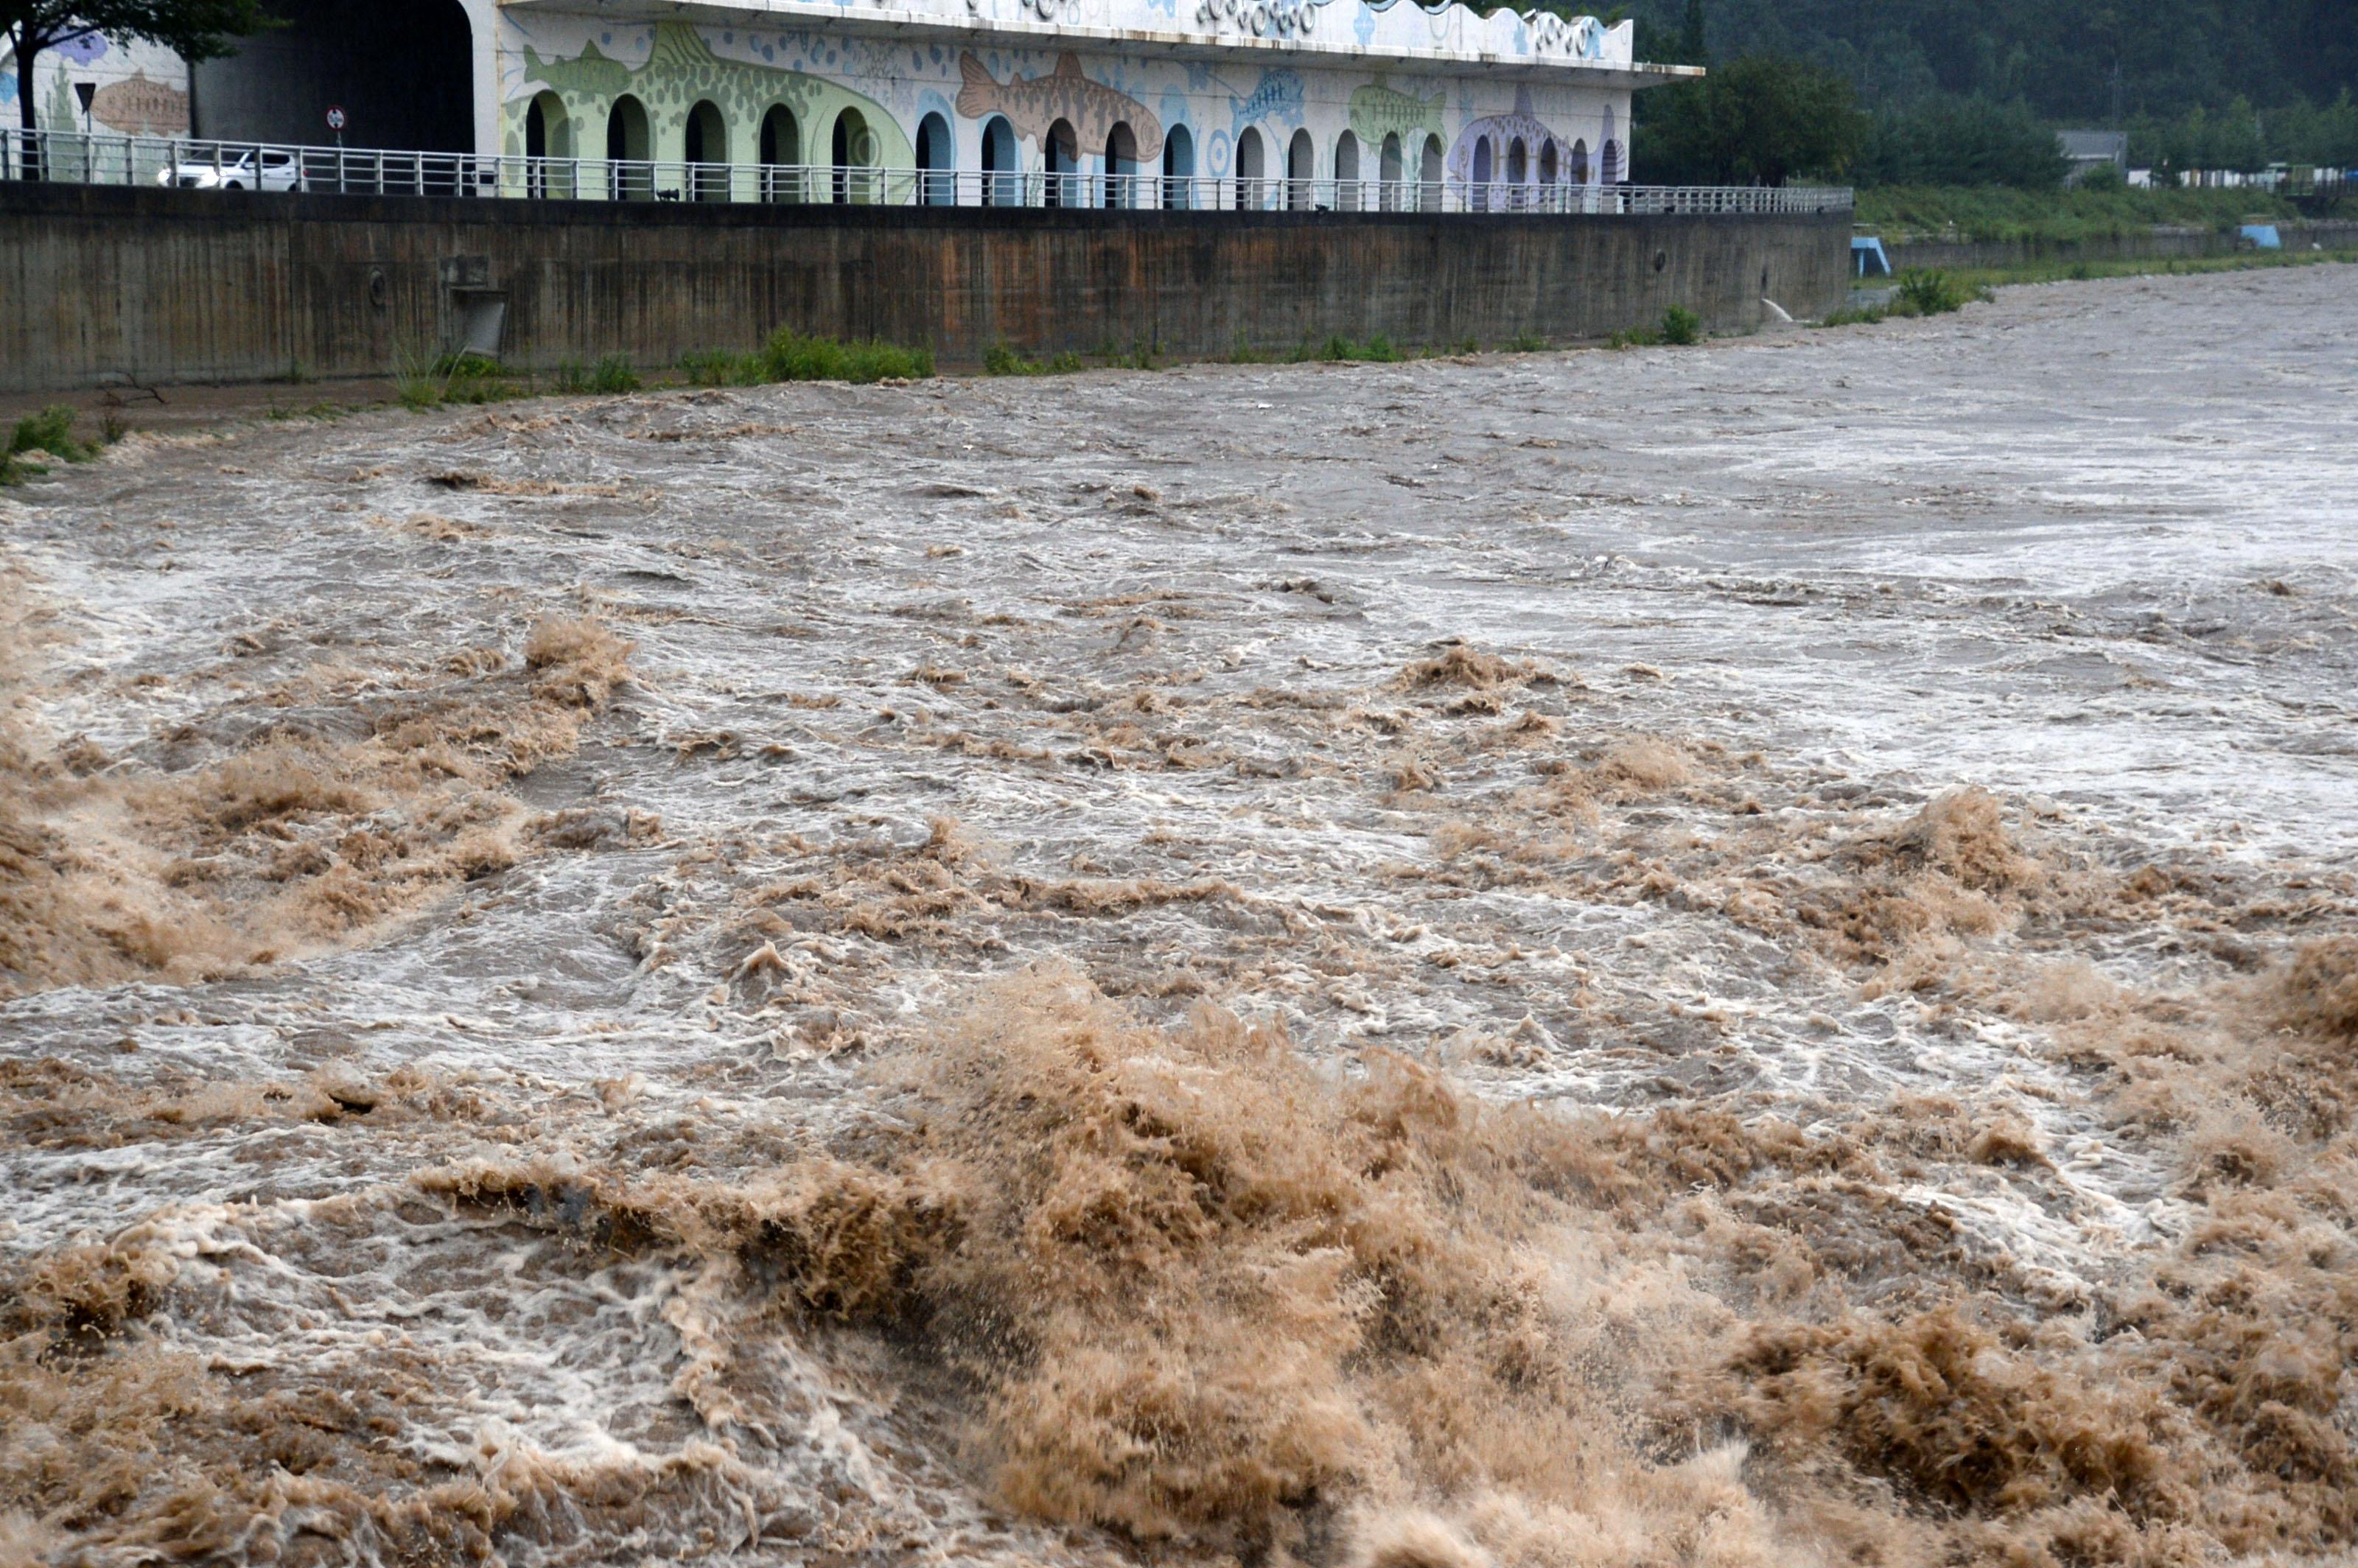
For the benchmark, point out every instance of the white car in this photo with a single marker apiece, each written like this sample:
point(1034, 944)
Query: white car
point(235, 171)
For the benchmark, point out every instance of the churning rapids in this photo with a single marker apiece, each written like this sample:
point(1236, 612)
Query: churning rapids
point(1727, 956)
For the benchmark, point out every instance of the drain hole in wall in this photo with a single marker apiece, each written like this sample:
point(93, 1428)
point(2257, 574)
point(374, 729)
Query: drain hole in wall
point(1661, 259)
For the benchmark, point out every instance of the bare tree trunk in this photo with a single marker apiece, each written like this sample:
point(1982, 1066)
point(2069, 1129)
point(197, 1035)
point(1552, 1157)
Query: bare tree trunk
point(28, 52)
point(25, 57)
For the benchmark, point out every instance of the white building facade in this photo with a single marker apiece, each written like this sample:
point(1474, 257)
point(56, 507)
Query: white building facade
point(1127, 102)
point(1331, 105)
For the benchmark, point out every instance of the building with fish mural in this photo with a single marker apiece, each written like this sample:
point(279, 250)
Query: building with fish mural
point(136, 89)
point(1149, 103)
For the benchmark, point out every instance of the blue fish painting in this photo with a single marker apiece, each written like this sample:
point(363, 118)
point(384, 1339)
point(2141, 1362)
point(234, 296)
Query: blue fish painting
point(1279, 97)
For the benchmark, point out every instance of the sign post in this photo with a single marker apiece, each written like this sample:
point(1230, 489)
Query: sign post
point(336, 124)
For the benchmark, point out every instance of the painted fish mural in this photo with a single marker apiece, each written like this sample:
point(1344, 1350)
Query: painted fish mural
point(592, 75)
point(1378, 110)
point(1032, 104)
point(141, 107)
point(1279, 97)
point(681, 69)
point(1503, 129)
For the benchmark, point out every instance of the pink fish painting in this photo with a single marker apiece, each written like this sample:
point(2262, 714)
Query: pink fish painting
point(1032, 104)
point(1521, 125)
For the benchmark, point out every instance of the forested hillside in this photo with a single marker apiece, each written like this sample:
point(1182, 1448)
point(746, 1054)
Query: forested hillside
point(2066, 59)
point(1970, 91)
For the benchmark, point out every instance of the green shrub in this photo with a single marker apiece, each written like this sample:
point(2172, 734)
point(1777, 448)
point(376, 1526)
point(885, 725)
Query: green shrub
point(468, 365)
point(614, 374)
point(1526, 344)
point(794, 356)
point(719, 367)
point(1681, 327)
point(50, 431)
point(1929, 294)
point(1339, 349)
point(470, 377)
point(1000, 360)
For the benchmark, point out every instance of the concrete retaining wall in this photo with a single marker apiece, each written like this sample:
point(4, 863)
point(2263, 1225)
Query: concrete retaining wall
point(2152, 244)
point(100, 284)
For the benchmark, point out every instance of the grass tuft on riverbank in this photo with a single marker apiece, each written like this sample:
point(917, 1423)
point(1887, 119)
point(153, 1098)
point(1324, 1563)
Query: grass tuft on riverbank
point(1997, 213)
point(1939, 293)
point(1988, 277)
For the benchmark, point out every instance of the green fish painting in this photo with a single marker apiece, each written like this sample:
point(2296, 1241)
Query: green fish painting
point(590, 76)
point(1378, 111)
point(681, 71)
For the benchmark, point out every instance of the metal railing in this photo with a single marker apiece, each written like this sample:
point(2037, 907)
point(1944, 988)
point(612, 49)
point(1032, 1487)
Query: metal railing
point(79, 158)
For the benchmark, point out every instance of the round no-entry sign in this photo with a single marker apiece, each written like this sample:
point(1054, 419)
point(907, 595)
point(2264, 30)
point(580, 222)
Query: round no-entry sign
point(335, 116)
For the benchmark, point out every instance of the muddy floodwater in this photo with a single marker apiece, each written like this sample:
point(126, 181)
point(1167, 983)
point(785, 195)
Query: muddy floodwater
point(1735, 955)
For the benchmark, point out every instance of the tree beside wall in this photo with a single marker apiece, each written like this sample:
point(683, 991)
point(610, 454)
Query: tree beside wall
point(193, 29)
point(1962, 141)
point(1757, 121)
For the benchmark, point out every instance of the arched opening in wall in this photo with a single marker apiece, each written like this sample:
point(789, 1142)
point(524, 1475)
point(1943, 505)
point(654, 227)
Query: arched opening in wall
point(1121, 165)
point(1300, 167)
point(1061, 150)
point(546, 131)
point(852, 151)
point(781, 152)
point(1580, 162)
point(1612, 162)
point(1001, 185)
point(1518, 171)
point(548, 134)
point(1346, 173)
point(628, 139)
point(708, 153)
point(937, 163)
point(1388, 172)
point(1548, 165)
point(1429, 190)
point(403, 73)
point(1252, 171)
point(1179, 168)
point(1484, 168)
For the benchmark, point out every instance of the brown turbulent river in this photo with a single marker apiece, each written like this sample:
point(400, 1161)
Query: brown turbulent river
point(1742, 955)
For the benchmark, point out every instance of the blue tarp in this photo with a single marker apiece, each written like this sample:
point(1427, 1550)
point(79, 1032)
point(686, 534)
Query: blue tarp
point(2264, 236)
point(1867, 255)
